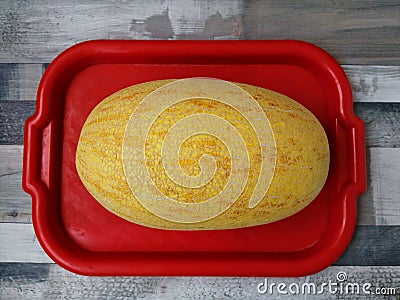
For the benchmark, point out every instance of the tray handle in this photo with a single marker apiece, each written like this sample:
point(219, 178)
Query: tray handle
point(357, 137)
point(350, 133)
point(37, 154)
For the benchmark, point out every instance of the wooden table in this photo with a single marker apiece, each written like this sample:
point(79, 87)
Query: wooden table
point(363, 36)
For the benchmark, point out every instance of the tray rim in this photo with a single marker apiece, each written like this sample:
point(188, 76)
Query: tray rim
point(233, 264)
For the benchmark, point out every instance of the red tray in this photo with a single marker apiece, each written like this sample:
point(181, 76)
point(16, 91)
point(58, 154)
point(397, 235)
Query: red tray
point(83, 237)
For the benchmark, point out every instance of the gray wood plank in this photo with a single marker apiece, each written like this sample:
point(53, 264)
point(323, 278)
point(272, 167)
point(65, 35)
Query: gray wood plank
point(13, 115)
point(382, 121)
point(374, 83)
point(369, 83)
point(35, 31)
point(356, 32)
point(19, 81)
point(48, 281)
point(15, 204)
point(20, 244)
point(379, 205)
point(364, 32)
point(371, 246)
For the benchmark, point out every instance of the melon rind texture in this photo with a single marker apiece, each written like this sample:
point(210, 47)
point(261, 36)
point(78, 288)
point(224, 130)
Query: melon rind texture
point(300, 158)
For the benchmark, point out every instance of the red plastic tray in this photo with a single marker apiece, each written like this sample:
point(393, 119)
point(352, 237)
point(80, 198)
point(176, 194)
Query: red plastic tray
point(83, 237)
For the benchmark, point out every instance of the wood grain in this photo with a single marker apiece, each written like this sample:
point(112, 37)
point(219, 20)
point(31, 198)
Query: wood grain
point(364, 32)
point(374, 83)
point(380, 204)
point(21, 238)
point(49, 281)
point(352, 31)
point(15, 204)
point(19, 81)
point(34, 31)
point(13, 115)
point(371, 246)
point(369, 83)
point(381, 122)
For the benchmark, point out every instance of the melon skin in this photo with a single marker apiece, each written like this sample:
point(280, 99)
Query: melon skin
point(301, 168)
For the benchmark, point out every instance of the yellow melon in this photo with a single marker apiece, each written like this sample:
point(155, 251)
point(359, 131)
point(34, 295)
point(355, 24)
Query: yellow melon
point(202, 153)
